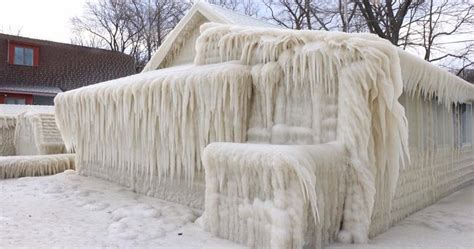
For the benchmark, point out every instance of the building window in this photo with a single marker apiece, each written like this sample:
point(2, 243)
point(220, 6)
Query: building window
point(15, 101)
point(23, 56)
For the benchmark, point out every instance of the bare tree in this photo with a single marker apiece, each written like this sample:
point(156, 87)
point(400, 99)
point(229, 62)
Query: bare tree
point(433, 28)
point(386, 18)
point(134, 27)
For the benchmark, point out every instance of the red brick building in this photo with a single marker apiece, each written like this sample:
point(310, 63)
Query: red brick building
point(33, 71)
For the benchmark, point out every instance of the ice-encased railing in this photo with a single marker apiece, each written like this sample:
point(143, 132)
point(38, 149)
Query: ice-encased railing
point(7, 135)
point(275, 196)
point(38, 165)
point(147, 131)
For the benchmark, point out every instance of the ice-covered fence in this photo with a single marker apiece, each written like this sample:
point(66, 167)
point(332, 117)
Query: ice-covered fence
point(41, 165)
point(7, 135)
point(148, 131)
point(275, 196)
point(37, 134)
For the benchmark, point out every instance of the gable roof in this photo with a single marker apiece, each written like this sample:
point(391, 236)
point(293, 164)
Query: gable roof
point(200, 10)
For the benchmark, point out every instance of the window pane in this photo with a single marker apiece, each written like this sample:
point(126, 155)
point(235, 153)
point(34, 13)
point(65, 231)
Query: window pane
point(15, 101)
point(28, 57)
point(18, 56)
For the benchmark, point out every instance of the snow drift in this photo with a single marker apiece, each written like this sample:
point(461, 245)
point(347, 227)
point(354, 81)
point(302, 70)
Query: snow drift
point(304, 92)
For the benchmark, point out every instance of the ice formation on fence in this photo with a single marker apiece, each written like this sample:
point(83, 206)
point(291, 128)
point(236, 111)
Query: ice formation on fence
point(7, 134)
point(21, 166)
point(37, 134)
point(293, 89)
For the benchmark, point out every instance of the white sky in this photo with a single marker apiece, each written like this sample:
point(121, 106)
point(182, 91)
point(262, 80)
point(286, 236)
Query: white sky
point(43, 19)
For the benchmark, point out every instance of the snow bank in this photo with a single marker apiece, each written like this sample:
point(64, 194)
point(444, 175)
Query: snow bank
point(20, 166)
point(37, 134)
point(7, 135)
point(275, 196)
point(151, 128)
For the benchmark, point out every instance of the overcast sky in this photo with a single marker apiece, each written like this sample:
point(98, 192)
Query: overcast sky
point(43, 19)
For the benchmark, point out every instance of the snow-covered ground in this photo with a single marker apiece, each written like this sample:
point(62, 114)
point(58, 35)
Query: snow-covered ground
point(66, 210)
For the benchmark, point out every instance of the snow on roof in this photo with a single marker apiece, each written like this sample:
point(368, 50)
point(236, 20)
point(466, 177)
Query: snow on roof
point(209, 12)
point(232, 17)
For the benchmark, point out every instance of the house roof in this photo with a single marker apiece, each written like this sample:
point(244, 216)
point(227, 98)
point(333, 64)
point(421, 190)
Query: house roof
point(62, 66)
point(212, 13)
point(34, 90)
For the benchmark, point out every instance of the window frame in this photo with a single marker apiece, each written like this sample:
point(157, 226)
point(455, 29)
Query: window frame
point(13, 45)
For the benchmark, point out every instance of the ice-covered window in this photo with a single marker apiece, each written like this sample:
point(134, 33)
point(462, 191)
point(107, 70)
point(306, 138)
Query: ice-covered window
point(467, 124)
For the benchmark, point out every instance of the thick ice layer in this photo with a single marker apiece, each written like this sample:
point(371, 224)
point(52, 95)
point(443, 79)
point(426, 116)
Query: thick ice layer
point(152, 127)
point(362, 70)
point(7, 135)
point(37, 134)
point(275, 196)
point(423, 79)
point(20, 166)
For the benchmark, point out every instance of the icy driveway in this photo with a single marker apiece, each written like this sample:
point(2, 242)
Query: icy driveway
point(67, 210)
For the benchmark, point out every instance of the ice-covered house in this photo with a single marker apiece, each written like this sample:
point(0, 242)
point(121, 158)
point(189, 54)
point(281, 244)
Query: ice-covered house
point(283, 138)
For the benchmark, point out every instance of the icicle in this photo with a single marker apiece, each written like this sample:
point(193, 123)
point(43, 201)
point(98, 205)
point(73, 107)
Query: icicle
point(21, 166)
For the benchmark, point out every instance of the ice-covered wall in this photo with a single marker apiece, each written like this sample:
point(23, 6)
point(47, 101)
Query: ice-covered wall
point(148, 131)
point(442, 157)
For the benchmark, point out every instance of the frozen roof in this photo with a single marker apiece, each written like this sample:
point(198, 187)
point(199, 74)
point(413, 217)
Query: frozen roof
point(211, 13)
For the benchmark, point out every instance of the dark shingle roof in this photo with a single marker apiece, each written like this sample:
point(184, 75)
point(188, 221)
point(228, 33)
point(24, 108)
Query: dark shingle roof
point(63, 66)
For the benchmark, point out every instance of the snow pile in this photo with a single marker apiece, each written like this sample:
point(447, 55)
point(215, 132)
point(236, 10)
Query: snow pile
point(7, 135)
point(147, 129)
point(37, 134)
point(20, 166)
point(275, 196)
